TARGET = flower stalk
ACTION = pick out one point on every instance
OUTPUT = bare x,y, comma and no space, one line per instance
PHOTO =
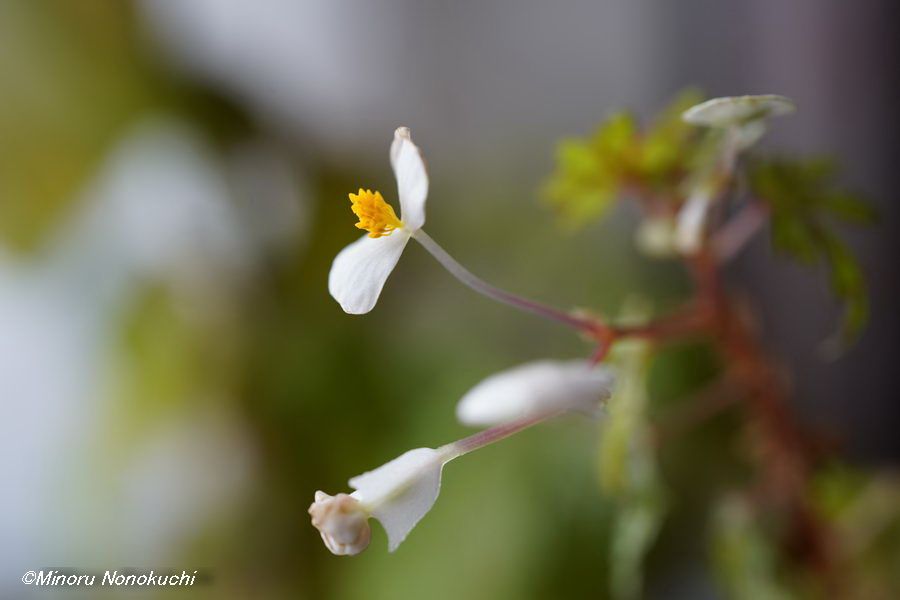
494,434
494,293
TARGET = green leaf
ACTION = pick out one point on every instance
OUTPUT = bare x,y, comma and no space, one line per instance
744,557
805,206
834,488
793,237
668,145
850,209
591,173
848,284
636,526
584,186
616,137
863,510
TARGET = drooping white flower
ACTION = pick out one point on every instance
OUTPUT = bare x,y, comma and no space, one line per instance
398,494
737,110
360,270
743,120
536,388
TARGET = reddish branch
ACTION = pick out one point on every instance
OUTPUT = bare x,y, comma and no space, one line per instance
782,450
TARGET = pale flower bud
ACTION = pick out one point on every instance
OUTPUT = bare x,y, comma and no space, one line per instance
535,389
737,110
655,237
398,494
343,523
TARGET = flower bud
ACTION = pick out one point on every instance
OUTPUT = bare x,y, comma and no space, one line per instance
536,388
655,237
738,110
343,523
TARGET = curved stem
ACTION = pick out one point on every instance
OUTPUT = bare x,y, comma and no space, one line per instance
494,434
494,293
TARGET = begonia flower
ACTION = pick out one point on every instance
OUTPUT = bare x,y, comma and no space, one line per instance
360,270
397,494
736,110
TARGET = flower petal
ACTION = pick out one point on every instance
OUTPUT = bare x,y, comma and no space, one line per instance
359,271
412,179
401,492
534,388
734,110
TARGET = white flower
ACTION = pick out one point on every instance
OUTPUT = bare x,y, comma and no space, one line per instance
534,389
743,119
737,110
360,270
398,494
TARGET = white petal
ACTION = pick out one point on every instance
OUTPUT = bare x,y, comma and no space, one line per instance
723,112
535,388
412,179
359,271
400,492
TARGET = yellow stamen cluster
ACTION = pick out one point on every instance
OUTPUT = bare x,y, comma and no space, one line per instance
375,215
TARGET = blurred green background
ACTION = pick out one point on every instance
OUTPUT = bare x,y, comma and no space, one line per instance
176,380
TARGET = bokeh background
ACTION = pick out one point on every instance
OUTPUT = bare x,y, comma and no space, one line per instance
176,381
